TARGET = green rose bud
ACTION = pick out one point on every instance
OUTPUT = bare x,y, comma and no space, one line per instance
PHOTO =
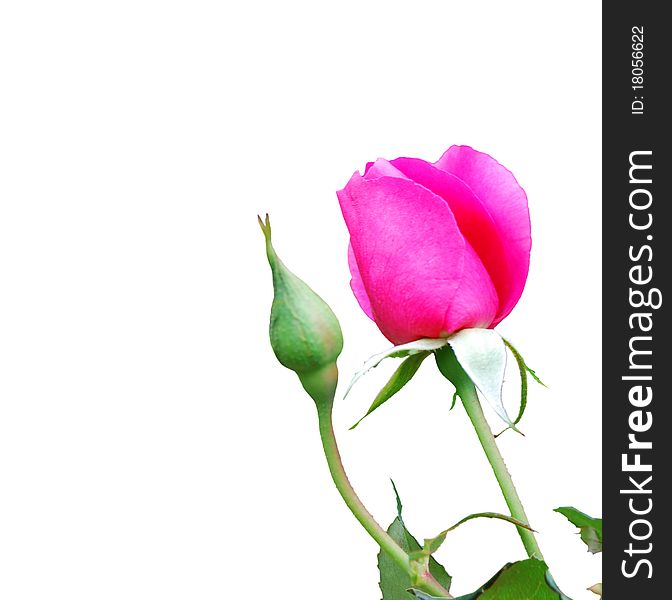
305,334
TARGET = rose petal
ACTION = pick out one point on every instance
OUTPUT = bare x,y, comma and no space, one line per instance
475,301
382,168
472,217
506,202
411,256
357,285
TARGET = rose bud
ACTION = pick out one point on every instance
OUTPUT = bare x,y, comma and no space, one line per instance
305,334
435,248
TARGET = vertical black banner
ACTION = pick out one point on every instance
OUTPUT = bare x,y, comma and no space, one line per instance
637,349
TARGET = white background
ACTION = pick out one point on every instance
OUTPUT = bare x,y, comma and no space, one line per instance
150,445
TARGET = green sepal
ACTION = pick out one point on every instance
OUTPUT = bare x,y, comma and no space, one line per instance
476,356
305,334
523,371
402,351
404,373
454,400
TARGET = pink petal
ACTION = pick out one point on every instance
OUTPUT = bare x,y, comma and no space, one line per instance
411,259
475,302
472,217
382,168
505,201
357,285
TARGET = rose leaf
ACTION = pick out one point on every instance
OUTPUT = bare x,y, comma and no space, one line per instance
590,528
525,580
394,581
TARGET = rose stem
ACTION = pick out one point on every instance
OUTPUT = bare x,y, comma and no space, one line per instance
472,405
427,582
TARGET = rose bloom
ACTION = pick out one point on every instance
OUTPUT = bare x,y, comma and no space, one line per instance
435,248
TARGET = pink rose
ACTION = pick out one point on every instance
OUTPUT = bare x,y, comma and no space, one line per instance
435,248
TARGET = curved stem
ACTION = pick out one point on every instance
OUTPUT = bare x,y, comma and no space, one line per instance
472,405
427,582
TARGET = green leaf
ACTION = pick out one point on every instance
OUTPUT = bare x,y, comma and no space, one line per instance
421,595
399,379
433,544
554,586
394,581
589,527
525,580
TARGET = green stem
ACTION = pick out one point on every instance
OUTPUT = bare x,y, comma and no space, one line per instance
472,405
427,582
